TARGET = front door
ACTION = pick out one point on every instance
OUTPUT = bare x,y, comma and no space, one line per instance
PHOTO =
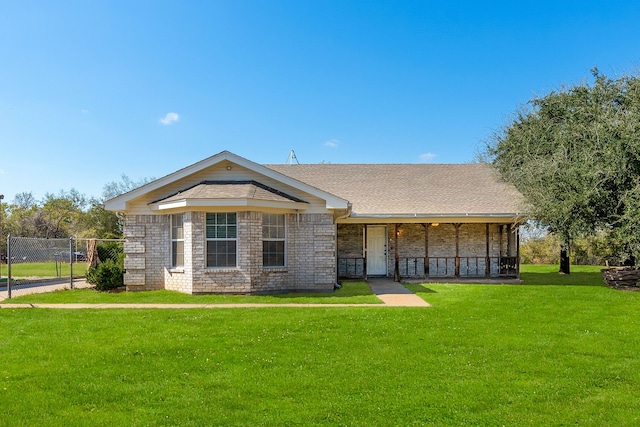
377,250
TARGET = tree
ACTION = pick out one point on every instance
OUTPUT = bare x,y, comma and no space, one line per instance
61,215
20,219
105,223
66,214
126,184
575,156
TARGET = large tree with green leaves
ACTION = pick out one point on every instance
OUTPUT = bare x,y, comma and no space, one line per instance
575,156
65,214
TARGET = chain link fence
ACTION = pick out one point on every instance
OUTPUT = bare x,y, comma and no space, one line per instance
38,262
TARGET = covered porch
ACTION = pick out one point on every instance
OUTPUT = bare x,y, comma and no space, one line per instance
431,251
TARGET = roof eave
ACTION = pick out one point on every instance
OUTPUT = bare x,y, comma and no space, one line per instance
119,203
499,217
239,202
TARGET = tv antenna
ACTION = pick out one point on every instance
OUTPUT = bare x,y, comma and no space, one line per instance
292,157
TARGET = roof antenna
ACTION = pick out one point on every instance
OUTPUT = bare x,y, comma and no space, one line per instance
292,157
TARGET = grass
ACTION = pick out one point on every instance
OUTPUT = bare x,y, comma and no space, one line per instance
545,274
546,353
45,269
350,293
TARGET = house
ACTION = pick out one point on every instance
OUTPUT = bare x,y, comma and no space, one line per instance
229,225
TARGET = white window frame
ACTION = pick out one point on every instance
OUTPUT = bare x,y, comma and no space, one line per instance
175,240
270,238
220,239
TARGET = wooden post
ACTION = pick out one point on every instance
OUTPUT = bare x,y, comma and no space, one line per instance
457,260
364,252
426,249
397,254
487,262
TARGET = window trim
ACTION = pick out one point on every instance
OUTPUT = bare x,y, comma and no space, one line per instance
270,239
216,239
173,239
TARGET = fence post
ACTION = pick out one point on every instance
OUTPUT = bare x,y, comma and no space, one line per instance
9,266
71,254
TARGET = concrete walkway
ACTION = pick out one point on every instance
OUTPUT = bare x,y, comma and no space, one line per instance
392,294
395,295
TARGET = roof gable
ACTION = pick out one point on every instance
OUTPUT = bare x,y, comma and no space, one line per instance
120,203
228,193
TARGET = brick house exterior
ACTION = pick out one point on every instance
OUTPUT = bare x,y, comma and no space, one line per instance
229,225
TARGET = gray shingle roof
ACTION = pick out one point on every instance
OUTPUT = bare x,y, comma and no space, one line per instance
412,189
230,190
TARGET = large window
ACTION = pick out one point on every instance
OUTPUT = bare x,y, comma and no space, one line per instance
222,233
273,240
177,241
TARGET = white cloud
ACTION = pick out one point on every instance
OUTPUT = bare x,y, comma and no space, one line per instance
332,143
426,157
84,111
169,118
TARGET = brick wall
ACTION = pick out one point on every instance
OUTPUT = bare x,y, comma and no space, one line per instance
411,244
310,258
147,251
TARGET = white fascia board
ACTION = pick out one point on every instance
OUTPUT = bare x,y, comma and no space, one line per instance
444,218
200,203
119,203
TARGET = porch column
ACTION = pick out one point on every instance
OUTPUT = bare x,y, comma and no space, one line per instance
487,261
397,254
426,249
364,253
457,260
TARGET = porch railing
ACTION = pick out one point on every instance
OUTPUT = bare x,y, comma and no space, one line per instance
438,267
351,268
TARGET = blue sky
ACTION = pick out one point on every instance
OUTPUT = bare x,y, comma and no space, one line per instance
91,90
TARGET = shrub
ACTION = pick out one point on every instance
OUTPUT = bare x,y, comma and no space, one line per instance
109,274
111,250
106,276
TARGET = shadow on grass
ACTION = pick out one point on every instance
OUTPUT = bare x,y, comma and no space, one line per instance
348,289
581,275
350,293
419,289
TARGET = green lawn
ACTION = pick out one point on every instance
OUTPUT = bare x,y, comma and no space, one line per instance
350,293
534,354
45,269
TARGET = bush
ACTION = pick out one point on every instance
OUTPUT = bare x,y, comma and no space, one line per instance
109,274
106,276
111,250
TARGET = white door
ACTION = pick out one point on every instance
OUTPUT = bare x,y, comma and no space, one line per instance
377,250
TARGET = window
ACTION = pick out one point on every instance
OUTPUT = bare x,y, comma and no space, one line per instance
177,241
222,233
273,240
